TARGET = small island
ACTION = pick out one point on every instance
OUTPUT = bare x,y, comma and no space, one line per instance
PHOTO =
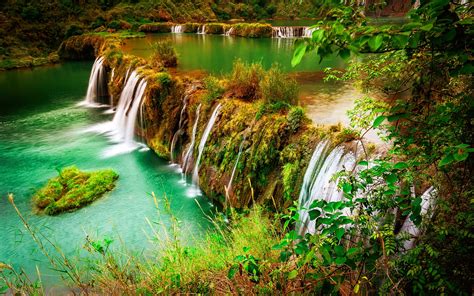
72,190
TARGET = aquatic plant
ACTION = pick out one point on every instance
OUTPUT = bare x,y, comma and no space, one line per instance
72,190
244,81
277,87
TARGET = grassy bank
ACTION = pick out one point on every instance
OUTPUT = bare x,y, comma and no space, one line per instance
72,190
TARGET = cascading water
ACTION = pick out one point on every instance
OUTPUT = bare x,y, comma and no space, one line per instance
408,226
180,130
202,30
230,31
292,32
188,156
97,88
317,182
229,186
203,141
177,29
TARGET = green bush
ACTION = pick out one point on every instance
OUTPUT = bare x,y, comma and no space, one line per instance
244,81
214,89
164,54
73,30
276,86
295,116
73,189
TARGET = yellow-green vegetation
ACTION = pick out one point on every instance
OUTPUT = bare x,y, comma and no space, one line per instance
72,190
252,30
156,28
164,54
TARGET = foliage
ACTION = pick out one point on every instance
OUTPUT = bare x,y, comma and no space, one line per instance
214,89
164,54
244,81
424,75
72,190
295,117
276,86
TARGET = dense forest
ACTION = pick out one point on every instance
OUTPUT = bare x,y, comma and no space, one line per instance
236,147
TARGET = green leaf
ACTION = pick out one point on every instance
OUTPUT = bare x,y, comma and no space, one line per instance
400,165
298,54
340,260
446,160
364,163
378,121
313,214
345,53
232,271
318,35
401,40
391,179
375,42
347,188
352,251
292,274
339,233
427,27
340,251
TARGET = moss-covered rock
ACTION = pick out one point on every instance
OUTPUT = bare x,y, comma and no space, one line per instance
156,28
72,190
252,30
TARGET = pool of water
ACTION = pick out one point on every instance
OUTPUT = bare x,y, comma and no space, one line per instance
325,102
41,130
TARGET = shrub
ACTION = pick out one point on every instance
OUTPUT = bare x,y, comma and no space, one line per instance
253,30
73,189
114,25
215,28
295,116
276,86
156,28
214,89
245,80
73,30
164,54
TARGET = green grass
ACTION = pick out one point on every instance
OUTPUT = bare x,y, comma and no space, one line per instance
72,190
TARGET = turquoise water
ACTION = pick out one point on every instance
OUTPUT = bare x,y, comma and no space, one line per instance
216,53
42,129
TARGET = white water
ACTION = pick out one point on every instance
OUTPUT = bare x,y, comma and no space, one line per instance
179,132
318,183
177,29
229,186
292,32
188,156
203,141
230,31
408,226
97,83
122,127
202,30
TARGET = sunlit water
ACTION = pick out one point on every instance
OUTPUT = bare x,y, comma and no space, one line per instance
41,130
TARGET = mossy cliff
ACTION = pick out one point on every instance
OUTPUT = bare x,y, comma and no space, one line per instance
276,145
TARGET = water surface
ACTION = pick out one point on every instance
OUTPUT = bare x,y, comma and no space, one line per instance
41,130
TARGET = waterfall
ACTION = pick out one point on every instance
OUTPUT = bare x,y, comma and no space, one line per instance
318,183
410,227
229,186
203,141
177,29
97,88
292,32
130,100
188,156
180,131
230,31
202,30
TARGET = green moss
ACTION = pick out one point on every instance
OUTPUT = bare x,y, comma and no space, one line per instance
156,28
290,176
72,190
252,30
159,147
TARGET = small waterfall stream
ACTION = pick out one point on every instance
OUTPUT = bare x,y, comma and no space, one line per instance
229,186
201,30
203,141
230,31
97,88
292,32
188,156
317,182
177,29
181,123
